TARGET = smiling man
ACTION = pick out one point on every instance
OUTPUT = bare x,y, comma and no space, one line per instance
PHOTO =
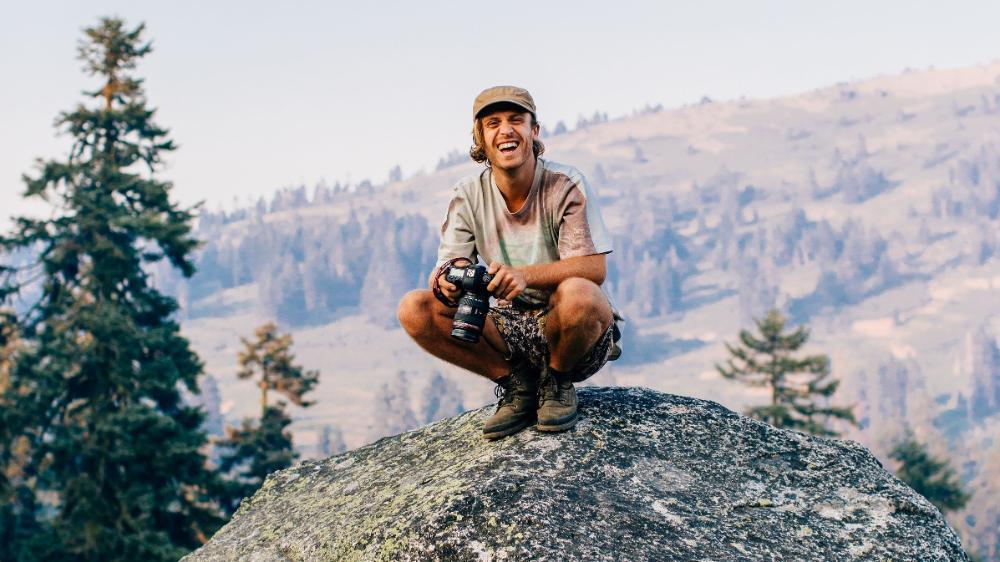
535,224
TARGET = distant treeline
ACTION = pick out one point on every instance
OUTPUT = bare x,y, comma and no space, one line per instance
309,267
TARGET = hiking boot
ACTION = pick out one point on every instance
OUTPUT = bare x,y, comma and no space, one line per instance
518,394
556,404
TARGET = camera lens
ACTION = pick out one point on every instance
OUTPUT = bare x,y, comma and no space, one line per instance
465,335
470,317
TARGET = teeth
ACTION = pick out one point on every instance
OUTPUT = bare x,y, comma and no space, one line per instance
507,145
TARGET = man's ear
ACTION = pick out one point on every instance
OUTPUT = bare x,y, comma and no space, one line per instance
535,130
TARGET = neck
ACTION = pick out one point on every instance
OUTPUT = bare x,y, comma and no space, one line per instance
515,184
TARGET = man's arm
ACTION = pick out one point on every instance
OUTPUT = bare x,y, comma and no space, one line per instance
509,282
550,275
458,238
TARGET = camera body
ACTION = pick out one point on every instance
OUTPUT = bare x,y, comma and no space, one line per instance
474,303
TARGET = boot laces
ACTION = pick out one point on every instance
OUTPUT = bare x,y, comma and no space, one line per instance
552,389
518,383
505,392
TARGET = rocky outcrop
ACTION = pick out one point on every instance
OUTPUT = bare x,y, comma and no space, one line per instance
643,476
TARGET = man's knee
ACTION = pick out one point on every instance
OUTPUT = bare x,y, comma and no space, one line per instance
580,300
414,311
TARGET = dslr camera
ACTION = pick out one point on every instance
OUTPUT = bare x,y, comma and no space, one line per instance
474,303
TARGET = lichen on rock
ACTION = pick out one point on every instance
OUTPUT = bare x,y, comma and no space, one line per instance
643,476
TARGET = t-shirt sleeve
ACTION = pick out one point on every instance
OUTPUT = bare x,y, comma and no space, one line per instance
581,227
458,238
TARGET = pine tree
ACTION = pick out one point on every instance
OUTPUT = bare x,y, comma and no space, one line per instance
928,476
254,450
261,447
799,386
270,359
109,455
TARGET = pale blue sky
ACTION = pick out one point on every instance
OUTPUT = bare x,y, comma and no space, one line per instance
261,95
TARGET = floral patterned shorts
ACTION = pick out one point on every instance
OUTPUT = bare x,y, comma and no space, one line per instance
523,330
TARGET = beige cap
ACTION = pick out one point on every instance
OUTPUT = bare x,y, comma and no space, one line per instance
497,94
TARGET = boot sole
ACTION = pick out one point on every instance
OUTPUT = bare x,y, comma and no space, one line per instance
510,430
557,427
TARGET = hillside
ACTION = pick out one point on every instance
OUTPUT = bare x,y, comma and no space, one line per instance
869,210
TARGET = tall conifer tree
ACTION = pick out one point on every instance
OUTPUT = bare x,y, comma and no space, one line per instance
112,462
799,386
259,448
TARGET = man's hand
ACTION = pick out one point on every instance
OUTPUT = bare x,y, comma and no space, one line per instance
507,282
450,291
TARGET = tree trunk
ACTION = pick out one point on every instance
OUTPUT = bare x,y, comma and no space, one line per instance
263,398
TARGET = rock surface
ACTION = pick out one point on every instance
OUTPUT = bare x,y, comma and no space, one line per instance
643,476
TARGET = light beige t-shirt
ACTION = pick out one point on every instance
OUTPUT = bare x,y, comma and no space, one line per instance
559,219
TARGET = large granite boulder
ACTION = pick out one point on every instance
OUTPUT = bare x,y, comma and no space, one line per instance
643,476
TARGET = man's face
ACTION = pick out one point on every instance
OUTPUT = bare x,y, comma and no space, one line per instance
508,136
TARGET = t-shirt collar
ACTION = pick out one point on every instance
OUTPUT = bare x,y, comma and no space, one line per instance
535,185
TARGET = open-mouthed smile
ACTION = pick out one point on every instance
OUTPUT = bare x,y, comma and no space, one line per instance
508,146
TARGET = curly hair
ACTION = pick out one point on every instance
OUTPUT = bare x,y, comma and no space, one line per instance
478,150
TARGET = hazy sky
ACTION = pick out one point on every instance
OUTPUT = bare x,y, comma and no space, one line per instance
265,95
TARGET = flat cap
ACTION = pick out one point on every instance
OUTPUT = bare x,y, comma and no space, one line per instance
498,94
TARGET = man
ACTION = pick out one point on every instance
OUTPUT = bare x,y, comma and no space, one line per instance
534,223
